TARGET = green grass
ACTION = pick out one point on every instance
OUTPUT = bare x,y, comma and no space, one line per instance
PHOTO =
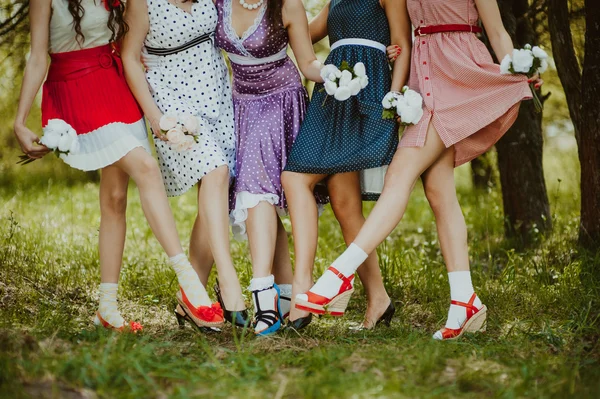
543,325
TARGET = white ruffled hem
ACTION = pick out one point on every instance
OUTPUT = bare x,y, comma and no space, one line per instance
106,145
246,200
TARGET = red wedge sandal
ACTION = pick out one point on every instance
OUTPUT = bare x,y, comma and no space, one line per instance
335,306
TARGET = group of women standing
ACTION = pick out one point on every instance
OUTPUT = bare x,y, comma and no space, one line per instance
262,149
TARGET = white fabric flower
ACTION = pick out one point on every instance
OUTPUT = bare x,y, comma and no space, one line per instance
360,70
191,123
65,142
390,100
413,99
343,93
522,60
539,53
175,135
355,86
364,81
327,71
345,79
167,122
543,67
330,87
505,65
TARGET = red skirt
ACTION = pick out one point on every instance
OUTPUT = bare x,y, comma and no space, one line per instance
87,89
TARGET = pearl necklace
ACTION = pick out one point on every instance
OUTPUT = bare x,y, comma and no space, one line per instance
251,6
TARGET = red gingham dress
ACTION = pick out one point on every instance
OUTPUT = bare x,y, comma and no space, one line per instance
470,104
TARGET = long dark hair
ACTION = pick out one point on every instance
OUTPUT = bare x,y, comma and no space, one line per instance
116,22
274,11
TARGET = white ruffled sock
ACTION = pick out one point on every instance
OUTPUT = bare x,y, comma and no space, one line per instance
267,298
285,304
461,289
329,283
108,304
189,281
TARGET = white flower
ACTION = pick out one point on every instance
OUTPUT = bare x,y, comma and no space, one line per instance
345,79
191,123
330,87
543,67
390,100
50,139
364,81
411,115
65,142
343,93
327,71
185,144
527,46
413,99
539,53
75,147
360,70
355,86
505,65
57,126
167,122
332,77
338,74
401,104
522,60
175,135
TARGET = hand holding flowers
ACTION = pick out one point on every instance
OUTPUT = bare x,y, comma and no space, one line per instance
407,105
344,82
181,132
59,137
530,61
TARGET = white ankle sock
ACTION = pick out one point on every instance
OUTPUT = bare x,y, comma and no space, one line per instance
267,298
461,289
329,283
189,281
108,304
286,304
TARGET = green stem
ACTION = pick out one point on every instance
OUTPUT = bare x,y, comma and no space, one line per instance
536,99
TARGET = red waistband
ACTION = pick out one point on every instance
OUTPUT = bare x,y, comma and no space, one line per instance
76,64
427,30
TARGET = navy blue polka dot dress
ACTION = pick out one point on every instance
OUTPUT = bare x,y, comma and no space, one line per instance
350,136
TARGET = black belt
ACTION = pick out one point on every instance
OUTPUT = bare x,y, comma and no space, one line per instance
183,47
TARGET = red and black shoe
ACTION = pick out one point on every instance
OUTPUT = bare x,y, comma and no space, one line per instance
335,306
475,321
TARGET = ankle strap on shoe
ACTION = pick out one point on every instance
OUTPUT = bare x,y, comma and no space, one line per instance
471,309
347,281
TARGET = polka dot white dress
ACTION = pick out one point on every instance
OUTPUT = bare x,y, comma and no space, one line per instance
193,81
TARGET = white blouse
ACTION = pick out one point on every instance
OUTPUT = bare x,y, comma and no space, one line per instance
93,26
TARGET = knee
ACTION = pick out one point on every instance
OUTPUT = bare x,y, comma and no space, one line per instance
220,175
115,202
348,213
438,198
148,167
287,180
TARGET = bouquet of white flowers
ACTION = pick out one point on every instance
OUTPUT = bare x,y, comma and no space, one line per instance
344,82
408,105
181,131
528,61
60,137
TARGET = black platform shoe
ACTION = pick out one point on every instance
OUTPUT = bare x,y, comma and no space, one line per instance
386,318
182,317
237,318
300,323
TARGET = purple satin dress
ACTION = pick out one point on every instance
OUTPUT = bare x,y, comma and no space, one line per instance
269,106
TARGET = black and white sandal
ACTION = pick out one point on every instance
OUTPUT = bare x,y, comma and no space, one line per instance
272,318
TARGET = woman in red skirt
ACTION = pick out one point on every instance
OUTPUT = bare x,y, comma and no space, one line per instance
85,87
468,106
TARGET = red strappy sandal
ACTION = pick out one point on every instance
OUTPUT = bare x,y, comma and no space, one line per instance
335,306
133,326
202,316
475,321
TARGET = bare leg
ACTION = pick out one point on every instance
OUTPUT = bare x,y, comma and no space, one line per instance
262,237
213,200
200,254
143,169
346,202
302,206
282,264
113,206
440,190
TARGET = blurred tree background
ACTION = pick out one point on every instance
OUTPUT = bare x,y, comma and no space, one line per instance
516,165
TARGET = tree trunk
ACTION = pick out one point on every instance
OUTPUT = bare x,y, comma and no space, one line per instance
589,131
582,91
482,172
524,193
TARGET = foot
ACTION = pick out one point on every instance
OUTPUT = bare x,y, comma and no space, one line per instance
299,287
267,312
189,282
375,309
463,317
231,294
321,299
131,326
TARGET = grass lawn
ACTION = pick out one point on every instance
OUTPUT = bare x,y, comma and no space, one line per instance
542,339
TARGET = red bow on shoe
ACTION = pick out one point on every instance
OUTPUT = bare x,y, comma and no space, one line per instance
210,313
110,4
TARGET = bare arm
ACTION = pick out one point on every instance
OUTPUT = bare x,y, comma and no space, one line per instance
499,37
137,19
318,26
39,16
400,27
296,23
